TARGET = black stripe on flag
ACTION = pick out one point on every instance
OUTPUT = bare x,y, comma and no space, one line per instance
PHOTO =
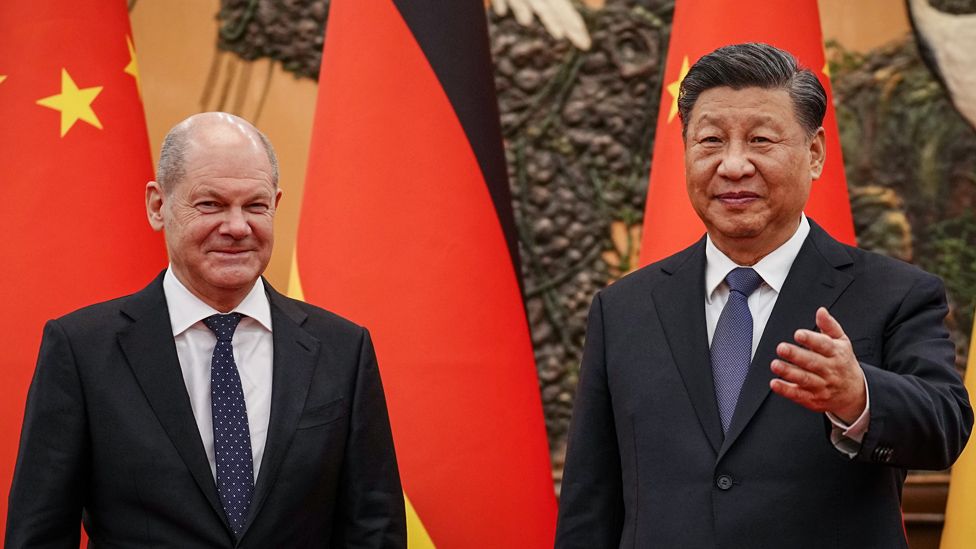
453,35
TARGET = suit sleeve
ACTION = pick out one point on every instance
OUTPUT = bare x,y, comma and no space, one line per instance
591,500
921,417
370,504
49,484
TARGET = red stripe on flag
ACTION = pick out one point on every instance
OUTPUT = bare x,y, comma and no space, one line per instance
398,232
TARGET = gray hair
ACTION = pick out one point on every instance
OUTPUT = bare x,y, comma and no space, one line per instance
172,156
755,65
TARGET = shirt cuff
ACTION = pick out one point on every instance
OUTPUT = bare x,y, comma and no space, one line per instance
847,438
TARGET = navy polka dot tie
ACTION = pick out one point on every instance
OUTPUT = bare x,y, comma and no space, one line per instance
232,438
732,342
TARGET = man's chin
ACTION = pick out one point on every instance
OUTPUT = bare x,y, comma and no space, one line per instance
233,278
737,230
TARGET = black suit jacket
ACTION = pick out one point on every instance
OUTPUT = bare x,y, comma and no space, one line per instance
108,429
648,465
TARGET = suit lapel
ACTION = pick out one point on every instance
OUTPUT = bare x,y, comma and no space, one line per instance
295,356
816,279
148,346
680,304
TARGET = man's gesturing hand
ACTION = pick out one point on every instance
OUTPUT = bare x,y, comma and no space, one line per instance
821,373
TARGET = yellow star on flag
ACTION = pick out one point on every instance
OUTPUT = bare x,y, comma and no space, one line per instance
675,86
73,103
826,67
133,67
2,78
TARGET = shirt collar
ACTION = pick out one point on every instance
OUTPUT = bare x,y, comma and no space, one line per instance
773,268
186,309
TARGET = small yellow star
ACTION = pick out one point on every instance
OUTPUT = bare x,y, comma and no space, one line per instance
73,103
675,87
826,69
2,78
133,67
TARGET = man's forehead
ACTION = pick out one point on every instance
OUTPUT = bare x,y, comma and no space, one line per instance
757,105
723,115
220,186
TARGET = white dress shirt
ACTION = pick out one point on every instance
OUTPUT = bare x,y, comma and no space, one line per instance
773,269
253,353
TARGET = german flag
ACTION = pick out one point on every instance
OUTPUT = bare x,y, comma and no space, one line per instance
407,227
74,161
699,27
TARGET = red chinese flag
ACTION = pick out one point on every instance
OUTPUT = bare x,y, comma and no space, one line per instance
699,27
74,160
406,227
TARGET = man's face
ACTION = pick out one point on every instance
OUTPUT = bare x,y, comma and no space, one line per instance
218,219
749,165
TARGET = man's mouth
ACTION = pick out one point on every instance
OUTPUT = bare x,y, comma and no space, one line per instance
230,252
737,198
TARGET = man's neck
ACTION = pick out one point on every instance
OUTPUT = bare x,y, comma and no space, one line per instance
746,252
220,299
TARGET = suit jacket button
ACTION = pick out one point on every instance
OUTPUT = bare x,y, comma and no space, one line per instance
724,482
883,454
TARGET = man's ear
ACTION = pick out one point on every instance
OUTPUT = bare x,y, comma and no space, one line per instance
818,153
154,205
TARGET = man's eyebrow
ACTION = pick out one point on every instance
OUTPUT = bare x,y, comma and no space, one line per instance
261,194
204,191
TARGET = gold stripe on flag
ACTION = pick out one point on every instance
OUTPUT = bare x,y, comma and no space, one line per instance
960,528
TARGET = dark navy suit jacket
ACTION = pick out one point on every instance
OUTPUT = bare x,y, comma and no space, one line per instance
648,465
109,430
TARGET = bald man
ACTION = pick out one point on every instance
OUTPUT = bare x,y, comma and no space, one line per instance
207,410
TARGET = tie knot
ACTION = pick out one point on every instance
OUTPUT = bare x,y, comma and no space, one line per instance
223,326
743,280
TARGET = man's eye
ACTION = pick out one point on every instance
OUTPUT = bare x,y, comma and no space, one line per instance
761,139
710,140
208,205
257,207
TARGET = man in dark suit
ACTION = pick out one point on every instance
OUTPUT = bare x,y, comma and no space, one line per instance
207,410
768,386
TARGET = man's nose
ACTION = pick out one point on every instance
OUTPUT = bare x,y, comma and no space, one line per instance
235,224
735,163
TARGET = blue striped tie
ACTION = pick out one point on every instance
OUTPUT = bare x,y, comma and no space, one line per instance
232,438
732,342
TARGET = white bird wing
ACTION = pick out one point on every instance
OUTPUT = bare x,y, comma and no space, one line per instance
952,39
559,17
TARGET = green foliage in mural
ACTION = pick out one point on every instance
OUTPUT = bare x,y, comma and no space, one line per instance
904,142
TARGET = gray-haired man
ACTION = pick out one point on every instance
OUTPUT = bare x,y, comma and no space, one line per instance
768,386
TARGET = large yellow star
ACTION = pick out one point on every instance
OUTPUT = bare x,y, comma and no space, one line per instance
133,67
675,86
73,103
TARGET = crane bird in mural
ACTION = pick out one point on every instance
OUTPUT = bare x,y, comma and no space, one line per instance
947,42
559,17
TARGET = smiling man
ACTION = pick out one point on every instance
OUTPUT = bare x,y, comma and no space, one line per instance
207,410
768,386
